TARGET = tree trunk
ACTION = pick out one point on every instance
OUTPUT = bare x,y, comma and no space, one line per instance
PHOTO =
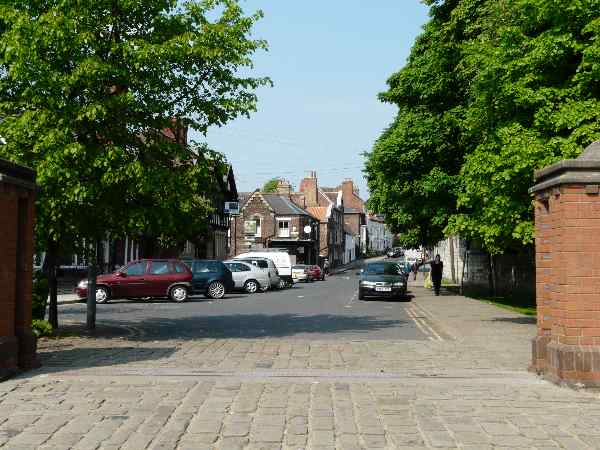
493,280
51,262
91,296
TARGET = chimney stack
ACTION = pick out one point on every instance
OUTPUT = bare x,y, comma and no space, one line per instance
308,186
284,188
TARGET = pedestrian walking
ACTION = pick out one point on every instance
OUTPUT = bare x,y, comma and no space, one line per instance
326,266
415,270
437,270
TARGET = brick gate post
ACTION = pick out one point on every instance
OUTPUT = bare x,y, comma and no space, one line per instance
567,226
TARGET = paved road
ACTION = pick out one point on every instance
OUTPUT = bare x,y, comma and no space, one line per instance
270,372
320,311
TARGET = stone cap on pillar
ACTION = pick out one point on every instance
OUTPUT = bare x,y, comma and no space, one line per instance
12,173
584,170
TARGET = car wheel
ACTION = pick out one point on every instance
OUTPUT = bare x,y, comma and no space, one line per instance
102,295
361,295
251,287
178,294
216,290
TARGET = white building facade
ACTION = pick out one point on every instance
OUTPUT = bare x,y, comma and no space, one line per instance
350,248
380,238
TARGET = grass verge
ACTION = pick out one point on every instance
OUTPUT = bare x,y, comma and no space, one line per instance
519,305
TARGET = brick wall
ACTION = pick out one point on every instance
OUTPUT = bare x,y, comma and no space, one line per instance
17,195
568,259
254,208
353,222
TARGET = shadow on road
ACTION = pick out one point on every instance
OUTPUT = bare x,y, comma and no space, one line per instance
59,358
526,320
406,299
245,326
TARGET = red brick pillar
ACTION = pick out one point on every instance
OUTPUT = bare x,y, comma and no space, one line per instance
567,225
17,197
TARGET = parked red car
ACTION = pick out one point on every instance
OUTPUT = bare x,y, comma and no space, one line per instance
144,278
316,273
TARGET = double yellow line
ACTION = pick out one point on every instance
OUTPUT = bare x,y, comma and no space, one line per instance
423,325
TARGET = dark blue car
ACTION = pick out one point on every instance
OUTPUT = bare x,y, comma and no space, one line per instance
211,278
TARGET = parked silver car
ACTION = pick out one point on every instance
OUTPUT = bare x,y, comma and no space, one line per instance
267,265
248,277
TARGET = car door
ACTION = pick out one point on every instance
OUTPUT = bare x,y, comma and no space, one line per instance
158,279
202,274
133,281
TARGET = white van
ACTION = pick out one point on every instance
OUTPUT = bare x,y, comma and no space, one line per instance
282,260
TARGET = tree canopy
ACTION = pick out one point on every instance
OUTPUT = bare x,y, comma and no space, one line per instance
89,92
492,91
271,185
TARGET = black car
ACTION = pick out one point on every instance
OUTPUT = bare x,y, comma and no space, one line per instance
382,279
211,278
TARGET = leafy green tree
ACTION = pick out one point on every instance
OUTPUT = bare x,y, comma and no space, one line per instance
492,91
534,99
271,185
87,88
412,170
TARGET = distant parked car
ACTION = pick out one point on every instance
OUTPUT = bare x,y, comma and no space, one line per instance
268,265
382,279
210,278
317,273
282,260
248,277
141,279
302,272
395,252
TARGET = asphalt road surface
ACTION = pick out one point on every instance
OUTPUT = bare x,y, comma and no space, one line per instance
322,310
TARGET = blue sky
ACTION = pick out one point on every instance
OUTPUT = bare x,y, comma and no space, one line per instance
328,61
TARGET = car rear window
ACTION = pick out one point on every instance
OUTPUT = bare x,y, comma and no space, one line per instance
179,268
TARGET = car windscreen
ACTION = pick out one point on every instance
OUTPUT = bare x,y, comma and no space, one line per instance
383,269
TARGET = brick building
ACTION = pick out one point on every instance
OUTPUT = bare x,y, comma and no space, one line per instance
17,197
272,220
329,209
355,218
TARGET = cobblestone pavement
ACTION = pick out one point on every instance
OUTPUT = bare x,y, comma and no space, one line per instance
464,388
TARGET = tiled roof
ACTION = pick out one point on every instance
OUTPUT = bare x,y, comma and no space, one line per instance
332,196
320,212
282,205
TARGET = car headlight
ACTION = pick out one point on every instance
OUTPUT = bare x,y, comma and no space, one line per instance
367,284
83,284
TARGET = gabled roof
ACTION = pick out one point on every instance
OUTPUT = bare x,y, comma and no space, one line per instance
282,205
243,198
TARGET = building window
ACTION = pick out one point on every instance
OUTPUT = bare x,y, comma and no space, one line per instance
283,228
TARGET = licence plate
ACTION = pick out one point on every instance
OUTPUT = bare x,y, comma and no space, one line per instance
383,289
